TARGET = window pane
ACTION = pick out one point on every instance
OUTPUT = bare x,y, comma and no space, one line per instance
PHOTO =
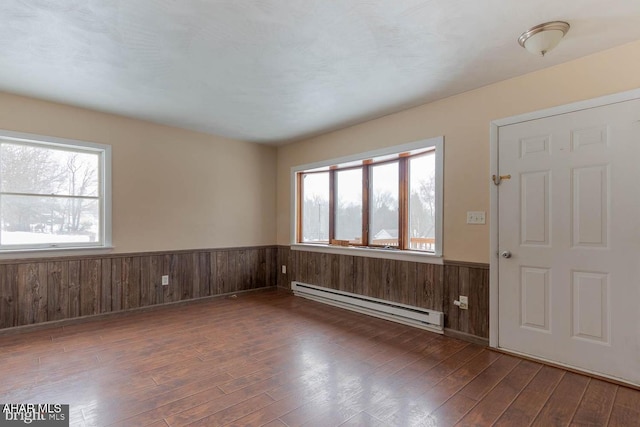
28,220
315,207
422,202
45,170
383,229
349,205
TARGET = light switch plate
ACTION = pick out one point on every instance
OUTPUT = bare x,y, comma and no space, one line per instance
476,217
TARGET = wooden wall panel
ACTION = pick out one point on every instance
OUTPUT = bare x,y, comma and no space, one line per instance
105,286
90,280
36,291
32,293
74,288
156,271
471,280
40,290
271,266
57,291
170,293
423,285
116,284
147,290
131,282
204,273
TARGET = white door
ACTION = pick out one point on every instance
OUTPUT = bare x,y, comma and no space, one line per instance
570,219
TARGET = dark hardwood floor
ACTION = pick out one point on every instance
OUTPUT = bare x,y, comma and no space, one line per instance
272,359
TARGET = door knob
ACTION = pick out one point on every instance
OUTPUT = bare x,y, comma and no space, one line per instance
505,254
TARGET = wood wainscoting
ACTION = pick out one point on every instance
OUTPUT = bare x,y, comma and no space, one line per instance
423,285
34,291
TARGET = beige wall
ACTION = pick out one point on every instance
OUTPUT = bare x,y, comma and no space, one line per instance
464,121
172,188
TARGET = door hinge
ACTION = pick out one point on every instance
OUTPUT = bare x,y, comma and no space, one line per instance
497,179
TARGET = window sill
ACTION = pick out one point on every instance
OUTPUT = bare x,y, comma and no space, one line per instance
400,255
53,252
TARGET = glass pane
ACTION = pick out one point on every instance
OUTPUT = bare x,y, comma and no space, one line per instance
383,229
422,202
33,220
45,170
349,205
315,207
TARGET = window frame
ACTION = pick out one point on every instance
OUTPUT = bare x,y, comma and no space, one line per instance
401,154
104,189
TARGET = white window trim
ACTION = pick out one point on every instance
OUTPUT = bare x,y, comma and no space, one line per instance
106,230
408,255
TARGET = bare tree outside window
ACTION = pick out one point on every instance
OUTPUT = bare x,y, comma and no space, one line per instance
48,195
315,208
422,202
385,204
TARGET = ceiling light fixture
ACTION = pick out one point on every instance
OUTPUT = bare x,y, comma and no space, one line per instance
542,38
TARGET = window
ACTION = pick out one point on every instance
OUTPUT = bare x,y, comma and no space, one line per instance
54,193
349,205
315,210
385,199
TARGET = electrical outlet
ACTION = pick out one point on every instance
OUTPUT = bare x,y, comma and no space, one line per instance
284,269
476,217
165,280
464,302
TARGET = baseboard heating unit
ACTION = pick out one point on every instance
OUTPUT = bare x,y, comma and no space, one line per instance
401,313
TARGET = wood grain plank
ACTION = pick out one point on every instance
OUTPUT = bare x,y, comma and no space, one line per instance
90,281
426,286
233,276
157,270
74,288
222,284
131,282
451,292
261,269
596,404
8,296
626,408
325,270
489,409
238,362
171,292
116,284
529,402
563,402
478,302
105,286
346,275
412,291
58,289
454,409
390,287
147,291
32,293
183,272
399,291
204,274
463,289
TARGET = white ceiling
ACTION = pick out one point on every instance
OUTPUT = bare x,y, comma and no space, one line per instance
275,71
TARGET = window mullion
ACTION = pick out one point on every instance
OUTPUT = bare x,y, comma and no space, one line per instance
299,210
332,205
403,203
365,203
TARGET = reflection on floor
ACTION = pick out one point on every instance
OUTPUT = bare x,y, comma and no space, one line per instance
273,359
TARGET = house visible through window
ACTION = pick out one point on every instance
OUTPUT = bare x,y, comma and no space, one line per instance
390,200
53,193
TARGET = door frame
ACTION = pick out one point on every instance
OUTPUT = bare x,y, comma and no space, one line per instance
494,310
